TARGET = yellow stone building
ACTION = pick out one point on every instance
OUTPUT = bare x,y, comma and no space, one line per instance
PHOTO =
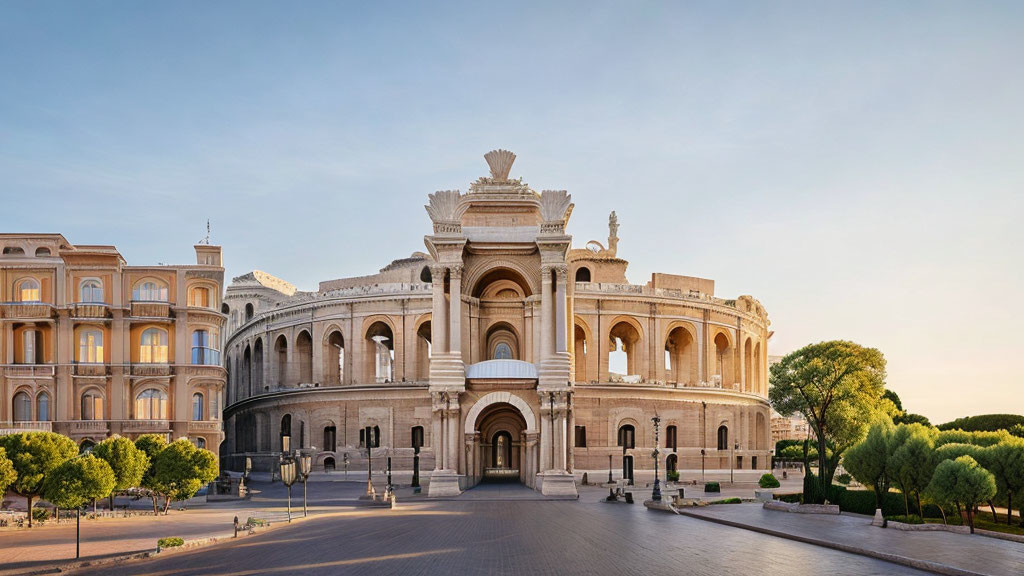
93,347
500,352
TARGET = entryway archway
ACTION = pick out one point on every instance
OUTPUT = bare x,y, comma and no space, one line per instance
501,440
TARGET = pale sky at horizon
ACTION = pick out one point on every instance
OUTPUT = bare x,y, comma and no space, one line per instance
857,169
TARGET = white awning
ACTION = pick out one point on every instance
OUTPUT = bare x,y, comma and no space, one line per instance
494,369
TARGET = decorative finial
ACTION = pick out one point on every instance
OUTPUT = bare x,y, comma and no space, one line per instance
500,162
207,239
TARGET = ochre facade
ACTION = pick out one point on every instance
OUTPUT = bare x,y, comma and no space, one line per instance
501,351
93,347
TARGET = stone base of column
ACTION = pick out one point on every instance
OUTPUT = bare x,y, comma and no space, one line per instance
557,483
443,483
554,371
447,371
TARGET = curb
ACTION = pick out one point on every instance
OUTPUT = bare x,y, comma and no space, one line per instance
894,558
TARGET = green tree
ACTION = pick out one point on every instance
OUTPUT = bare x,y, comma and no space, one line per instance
982,438
151,445
984,423
34,455
1006,463
962,481
797,453
911,418
128,462
77,481
1017,430
838,388
181,469
7,473
913,461
870,461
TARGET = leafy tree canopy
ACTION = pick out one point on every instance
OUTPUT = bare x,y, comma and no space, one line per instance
962,481
911,418
870,461
973,438
77,481
7,473
128,462
181,469
984,423
34,455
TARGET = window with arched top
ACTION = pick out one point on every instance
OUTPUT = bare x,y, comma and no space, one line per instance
583,275
153,346
42,251
13,251
90,291
205,348
150,291
151,404
28,290
22,407
92,405
201,443
197,407
671,438
199,296
43,406
723,437
90,347
627,436
249,311
502,351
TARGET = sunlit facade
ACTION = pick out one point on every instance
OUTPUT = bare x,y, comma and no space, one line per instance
93,347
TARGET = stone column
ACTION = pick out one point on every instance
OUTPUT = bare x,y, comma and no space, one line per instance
545,433
439,316
452,460
546,317
570,441
455,303
561,274
437,432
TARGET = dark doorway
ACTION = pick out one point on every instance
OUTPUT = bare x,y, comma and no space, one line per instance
627,469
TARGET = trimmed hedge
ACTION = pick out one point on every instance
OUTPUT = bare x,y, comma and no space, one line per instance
712,487
170,542
984,423
768,481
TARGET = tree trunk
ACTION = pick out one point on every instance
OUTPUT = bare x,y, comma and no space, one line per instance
906,503
111,502
960,513
993,508
167,503
920,510
970,518
943,512
1009,508
822,459
29,498
153,498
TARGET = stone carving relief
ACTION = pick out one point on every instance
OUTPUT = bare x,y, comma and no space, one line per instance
444,211
500,162
555,208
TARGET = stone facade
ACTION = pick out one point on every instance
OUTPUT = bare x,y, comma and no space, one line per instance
508,350
93,347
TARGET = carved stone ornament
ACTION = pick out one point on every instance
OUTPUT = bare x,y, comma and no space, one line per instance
500,162
443,211
555,207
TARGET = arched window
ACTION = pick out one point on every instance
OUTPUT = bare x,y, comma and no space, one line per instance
91,291
201,443
286,432
671,438
150,291
197,407
32,347
502,351
151,404
199,296
723,437
22,407
153,346
204,348
671,463
92,405
90,346
43,407
28,291
248,312
583,275
13,251
417,438
42,251
627,436
330,438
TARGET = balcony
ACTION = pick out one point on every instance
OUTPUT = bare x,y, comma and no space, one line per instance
32,426
147,309
205,426
90,310
151,370
89,427
215,372
26,310
145,426
29,370
91,369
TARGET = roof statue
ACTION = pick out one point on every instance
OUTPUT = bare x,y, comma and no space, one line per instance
500,162
613,234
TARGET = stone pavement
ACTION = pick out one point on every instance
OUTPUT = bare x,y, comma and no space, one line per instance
950,553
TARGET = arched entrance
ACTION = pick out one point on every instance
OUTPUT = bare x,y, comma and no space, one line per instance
501,440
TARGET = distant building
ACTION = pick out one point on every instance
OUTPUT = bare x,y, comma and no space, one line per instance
793,427
93,347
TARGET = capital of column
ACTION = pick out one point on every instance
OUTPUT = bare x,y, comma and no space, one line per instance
437,270
455,270
562,272
545,271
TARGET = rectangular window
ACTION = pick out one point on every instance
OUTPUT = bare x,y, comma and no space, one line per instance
581,436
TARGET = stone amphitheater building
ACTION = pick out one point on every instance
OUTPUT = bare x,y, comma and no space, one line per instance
502,352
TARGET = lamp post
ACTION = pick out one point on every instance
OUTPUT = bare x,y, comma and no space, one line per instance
306,462
288,478
703,437
369,461
656,492
732,461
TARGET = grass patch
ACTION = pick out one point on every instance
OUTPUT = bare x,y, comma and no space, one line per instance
912,519
982,521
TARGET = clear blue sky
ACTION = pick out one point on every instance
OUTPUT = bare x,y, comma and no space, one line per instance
859,169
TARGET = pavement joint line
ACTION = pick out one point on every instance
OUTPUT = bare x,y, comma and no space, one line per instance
894,558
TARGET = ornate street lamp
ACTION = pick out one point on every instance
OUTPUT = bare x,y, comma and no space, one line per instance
288,478
656,492
306,462
703,437
732,460
369,462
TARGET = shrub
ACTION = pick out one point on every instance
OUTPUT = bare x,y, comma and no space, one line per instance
40,514
931,511
673,476
768,481
712,487
984,422
727,501
912,519
863,501
170,542
254,521
791,498
844,479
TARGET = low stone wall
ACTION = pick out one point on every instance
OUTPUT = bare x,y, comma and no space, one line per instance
954,529
802,508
